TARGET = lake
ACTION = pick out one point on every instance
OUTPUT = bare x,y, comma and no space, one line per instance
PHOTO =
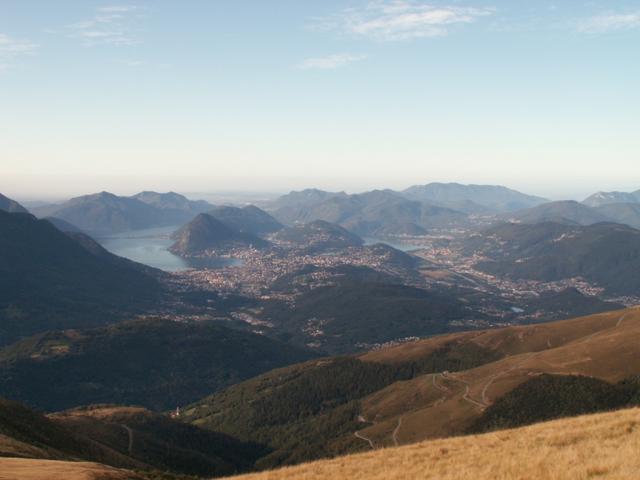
404,247
151,248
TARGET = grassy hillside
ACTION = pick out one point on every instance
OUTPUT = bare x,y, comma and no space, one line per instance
124,437
311,410
132,437
436,387
35,469
594,446
156,363
602,346
546,397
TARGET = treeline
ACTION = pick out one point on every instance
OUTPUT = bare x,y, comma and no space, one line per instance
554,396
311,411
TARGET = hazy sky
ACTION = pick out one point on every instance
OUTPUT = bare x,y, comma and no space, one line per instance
543,96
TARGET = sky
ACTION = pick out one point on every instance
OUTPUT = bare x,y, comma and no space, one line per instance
269,96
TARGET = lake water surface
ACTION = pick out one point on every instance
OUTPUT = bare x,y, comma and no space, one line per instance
404,247
151,248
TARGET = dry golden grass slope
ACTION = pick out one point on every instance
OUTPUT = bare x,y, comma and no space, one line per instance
601,446
604,346
30,469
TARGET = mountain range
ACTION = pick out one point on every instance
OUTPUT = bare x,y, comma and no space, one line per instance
413,211
378,212
422,208
472,198
105,213
604,198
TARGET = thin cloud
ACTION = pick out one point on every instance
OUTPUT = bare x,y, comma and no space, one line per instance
330,62
11,48
111,25
118,8
402,20
610,22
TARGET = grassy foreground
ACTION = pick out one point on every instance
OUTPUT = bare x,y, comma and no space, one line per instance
599,446
33,469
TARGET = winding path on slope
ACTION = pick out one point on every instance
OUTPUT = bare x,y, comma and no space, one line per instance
482,405
394,436
466,396
130,433
368,440
586,339
499,374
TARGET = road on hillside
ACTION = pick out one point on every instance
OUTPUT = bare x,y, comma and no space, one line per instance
394,435
130,433
368,440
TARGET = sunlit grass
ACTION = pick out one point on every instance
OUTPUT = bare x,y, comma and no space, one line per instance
592,446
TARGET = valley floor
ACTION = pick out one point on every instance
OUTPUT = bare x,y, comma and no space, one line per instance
603,446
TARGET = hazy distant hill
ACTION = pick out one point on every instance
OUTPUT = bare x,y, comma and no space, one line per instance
626,213
379,212
249,219
472,198
49,280
207,234
11,206
607,254
568,212
160,364
173,201
605,198
317,236
105,213
305,198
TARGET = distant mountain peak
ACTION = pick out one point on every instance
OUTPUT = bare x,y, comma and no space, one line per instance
599,199
472,198
249,219
206,234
